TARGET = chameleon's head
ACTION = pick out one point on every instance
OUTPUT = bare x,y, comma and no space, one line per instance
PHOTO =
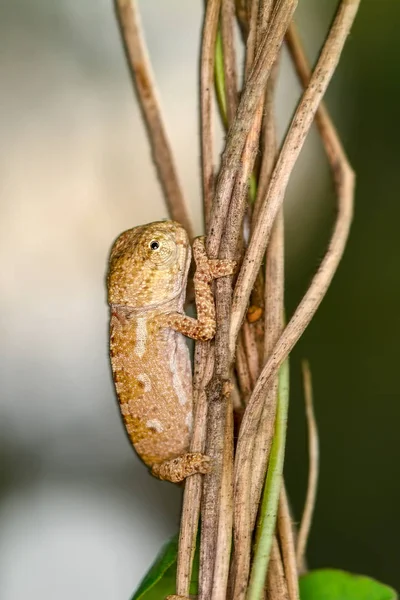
148,265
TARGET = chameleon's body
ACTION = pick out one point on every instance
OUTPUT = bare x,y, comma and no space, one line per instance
150,360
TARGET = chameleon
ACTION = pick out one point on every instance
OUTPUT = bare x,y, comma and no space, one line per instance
147,278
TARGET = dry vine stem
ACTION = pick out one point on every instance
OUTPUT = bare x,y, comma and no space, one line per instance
285,528
210,27
276,580
140,68
228,44
313,453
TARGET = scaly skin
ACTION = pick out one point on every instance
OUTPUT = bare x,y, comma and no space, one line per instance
150,360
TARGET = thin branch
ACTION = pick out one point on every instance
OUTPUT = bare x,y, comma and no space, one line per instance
285,528
265,12
204,362
216,509
210,27
276,581
274,287
290,151
274,311
269,144
229,56
139,63
224,534
251,43
313,452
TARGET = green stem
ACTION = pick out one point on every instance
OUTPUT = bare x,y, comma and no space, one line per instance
269,504
219,76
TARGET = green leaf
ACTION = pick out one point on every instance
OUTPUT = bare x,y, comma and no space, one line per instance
332,584
160,579
160,570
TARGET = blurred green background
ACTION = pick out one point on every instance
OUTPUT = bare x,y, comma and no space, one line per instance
79,515
352,343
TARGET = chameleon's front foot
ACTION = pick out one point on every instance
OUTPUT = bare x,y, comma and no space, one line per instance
208,269
177,469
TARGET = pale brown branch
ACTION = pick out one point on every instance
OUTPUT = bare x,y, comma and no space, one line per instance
234,222
269,144
224,533
276,582
216,508
274,287
204,362
251,43
228,44
313,452
285,528
140,67
207,61
274,310
265,12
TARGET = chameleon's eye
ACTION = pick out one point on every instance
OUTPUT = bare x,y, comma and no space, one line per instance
154,245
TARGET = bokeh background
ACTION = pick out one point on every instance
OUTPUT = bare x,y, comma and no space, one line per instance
79,515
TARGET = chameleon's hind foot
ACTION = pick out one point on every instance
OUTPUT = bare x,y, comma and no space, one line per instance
177,469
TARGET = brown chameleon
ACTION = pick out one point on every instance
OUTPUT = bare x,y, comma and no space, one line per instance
150,360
